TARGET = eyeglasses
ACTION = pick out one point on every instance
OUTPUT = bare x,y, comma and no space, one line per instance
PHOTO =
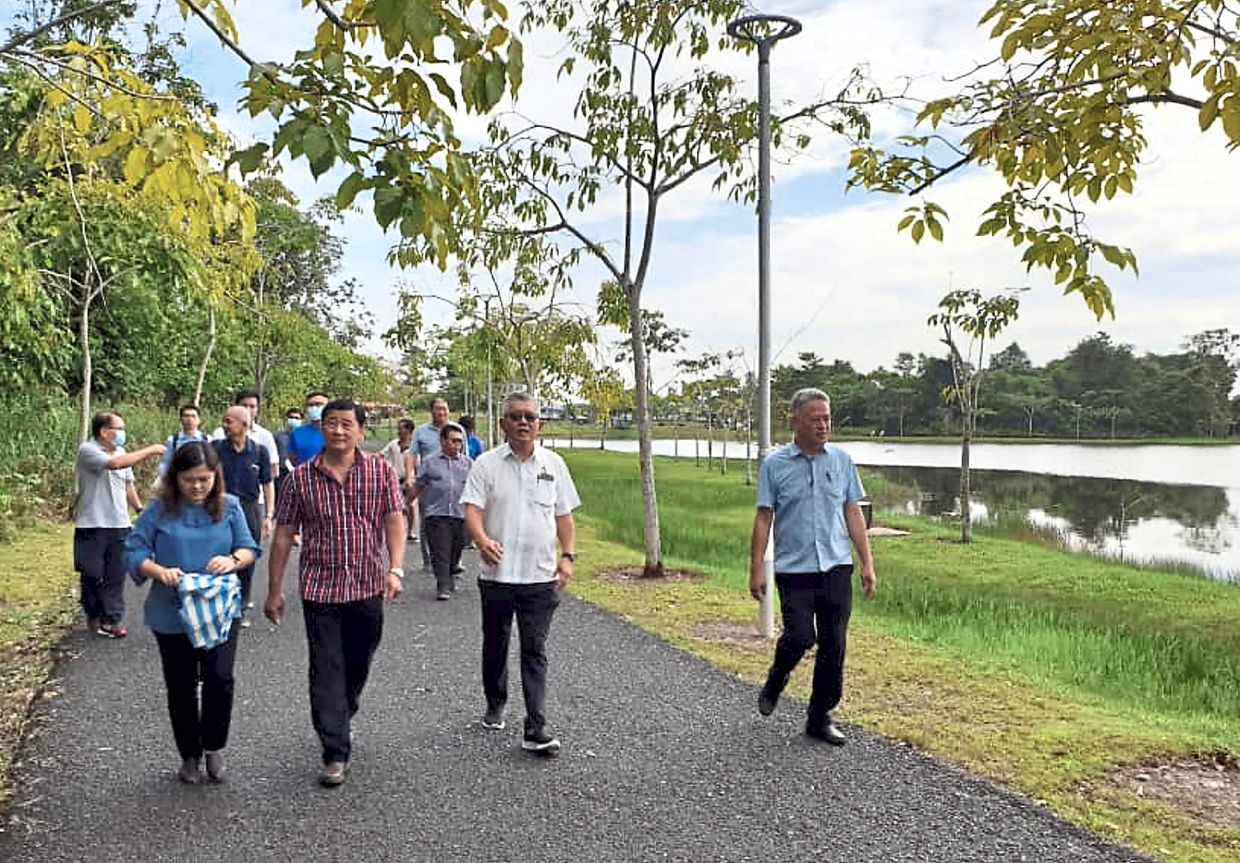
517,416
456,440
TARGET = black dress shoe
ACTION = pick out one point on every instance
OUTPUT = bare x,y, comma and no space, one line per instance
827,732
767,701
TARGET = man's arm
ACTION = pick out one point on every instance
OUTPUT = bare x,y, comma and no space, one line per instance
854,518
762,520
280,547
566,533
394,529
131,492
120,461
492,551
269,510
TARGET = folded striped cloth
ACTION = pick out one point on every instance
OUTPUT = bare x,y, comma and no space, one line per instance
209,605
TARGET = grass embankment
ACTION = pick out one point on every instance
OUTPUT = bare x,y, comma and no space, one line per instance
1042,670
37,601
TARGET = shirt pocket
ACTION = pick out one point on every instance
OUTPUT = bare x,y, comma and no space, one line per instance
542,495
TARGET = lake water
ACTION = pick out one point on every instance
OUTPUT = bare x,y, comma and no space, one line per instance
1146,504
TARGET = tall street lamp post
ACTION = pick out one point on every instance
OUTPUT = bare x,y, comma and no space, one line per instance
764,31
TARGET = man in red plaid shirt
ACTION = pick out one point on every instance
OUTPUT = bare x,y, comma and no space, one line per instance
346,504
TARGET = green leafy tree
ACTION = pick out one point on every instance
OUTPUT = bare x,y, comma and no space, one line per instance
962,314
651,115
1058,114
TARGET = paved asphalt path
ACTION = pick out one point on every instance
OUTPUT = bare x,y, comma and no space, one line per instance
665,759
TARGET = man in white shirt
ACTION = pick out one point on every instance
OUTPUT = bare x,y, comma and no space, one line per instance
519,501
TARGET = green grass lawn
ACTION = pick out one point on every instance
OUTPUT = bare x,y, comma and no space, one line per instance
1044,670
38,599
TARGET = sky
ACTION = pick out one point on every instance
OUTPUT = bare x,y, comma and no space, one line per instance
845,284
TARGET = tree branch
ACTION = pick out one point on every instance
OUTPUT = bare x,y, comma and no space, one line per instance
1168,97
23,38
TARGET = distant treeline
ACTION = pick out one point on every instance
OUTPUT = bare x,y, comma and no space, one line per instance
1100,389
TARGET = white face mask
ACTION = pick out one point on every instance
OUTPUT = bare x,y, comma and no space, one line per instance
293,422
120,438
314,413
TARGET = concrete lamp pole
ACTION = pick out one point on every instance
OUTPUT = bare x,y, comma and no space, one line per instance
764,31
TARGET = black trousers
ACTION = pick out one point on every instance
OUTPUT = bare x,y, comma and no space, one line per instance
254,521
445,535
99,558
198,726
533,605
815,607
342,638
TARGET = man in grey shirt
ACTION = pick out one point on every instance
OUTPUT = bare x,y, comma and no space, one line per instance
101,520
440,482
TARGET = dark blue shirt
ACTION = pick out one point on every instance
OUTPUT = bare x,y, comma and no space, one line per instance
245,472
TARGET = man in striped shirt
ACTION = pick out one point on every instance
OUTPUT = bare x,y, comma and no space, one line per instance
346,504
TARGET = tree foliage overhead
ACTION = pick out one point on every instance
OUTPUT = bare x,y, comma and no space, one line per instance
651,114
1059,115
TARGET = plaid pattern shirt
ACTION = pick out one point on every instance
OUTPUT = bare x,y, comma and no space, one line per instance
342,526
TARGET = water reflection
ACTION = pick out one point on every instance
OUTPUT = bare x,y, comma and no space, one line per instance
1194,525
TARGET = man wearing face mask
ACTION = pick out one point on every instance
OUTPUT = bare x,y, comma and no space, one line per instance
101,520
306,440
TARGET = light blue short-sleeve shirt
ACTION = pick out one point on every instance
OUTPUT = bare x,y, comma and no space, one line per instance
807,496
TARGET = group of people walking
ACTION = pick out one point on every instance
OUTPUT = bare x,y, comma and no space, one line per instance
197,540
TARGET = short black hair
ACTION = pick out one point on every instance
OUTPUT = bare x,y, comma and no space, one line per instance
291,411
346,405
406,424
100,421
247,394
314,393
448,428
467,423
185,408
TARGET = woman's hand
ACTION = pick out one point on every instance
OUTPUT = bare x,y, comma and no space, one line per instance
171,576
222,563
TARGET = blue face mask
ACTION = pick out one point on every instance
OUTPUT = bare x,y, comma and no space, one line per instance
314,413
293,422
120,438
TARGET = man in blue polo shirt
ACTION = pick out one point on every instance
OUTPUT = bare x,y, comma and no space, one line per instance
247,474
811,492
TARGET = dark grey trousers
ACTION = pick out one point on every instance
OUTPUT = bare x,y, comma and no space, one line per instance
533,605
445,535
99,558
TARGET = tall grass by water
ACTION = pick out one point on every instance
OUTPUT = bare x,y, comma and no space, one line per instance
1154,642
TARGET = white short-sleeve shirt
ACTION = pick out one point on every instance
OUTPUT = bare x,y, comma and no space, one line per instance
520,501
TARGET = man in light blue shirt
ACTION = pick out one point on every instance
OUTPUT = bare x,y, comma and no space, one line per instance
426,443
811,493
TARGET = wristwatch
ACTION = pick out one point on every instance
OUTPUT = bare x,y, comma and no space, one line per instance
570,556
236,557
396,571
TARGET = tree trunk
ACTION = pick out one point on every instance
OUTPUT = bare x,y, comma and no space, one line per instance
206,357
653,567
88,367
748,441
723,459
710,439
966,520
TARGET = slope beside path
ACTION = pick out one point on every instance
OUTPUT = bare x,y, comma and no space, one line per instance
665,759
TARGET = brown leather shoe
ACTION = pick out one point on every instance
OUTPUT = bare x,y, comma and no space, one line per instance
333,774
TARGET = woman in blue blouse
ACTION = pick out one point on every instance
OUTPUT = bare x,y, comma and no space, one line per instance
193,526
